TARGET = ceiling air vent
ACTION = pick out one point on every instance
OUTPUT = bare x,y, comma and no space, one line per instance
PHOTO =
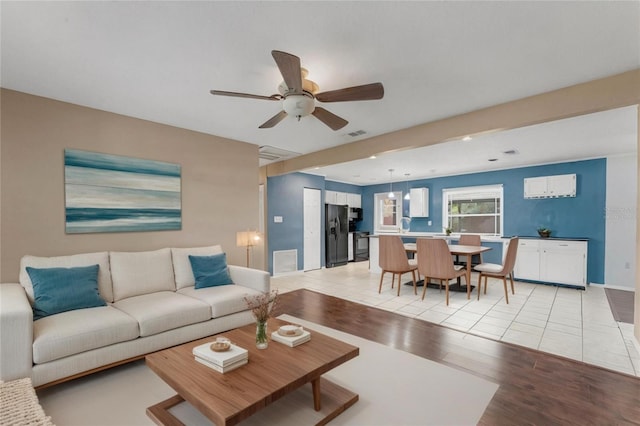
270,153
357,133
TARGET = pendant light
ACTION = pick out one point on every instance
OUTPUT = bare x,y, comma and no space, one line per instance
391,194
408,196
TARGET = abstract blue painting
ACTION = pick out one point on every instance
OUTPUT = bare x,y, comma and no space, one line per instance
111,193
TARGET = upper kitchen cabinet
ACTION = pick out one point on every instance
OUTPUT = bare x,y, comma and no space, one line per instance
550,186
354,200
342,198
419,203
330,197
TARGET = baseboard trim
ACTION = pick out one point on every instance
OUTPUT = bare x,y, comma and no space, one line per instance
618,287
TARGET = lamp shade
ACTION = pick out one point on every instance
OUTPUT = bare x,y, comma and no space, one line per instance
247,238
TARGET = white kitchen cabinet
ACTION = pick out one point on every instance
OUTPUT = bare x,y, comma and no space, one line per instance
354,200
341,198
419,203
528,260
550,186
330,197
553,261
535,187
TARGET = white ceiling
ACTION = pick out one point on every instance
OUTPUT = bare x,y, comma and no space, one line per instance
158,61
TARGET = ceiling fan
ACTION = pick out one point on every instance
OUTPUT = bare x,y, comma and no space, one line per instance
298,95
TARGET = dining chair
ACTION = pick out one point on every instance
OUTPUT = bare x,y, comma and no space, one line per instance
503,271
471,240
393,258
435,262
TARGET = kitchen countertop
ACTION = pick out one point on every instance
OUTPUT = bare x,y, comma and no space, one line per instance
495,238
536,237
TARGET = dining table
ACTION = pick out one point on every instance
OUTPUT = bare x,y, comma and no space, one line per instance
459,250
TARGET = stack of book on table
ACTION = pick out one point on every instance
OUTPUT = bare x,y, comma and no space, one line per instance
291,335
223,361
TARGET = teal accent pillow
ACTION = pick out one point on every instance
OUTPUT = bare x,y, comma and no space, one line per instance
210,271
58,290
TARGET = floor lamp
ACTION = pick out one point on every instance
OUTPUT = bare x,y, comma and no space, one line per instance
247,239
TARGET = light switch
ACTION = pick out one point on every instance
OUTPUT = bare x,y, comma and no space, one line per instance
277,219
429,223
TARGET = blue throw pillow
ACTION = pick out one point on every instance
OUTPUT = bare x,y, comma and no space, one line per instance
210,271
58,290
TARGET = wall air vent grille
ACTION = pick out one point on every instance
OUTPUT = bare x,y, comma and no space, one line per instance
285,261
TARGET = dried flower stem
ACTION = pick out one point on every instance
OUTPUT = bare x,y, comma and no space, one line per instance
262,305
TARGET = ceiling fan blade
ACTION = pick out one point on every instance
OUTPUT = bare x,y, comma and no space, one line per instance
273,120
329,118
245,95
289,66
367,92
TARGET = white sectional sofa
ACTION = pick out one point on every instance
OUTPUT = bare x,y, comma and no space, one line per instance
151,304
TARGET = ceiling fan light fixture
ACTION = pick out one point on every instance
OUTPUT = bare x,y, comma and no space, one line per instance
307,85
298,94
298,105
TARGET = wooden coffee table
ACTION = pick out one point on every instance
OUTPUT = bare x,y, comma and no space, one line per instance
271,373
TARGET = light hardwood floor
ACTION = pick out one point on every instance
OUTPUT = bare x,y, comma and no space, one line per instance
535,387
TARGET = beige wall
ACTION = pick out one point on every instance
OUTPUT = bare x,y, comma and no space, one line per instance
219,180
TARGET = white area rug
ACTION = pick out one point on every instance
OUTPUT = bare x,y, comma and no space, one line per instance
395,388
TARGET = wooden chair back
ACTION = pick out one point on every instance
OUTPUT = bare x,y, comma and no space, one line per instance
392,256
470,240
434,258
510,257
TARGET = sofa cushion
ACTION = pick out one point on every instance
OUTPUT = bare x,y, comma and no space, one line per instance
59,290
210,271
182,266
224,300
85,259
72,332
164,310
142,272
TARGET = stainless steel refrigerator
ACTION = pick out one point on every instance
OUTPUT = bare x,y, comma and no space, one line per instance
337,234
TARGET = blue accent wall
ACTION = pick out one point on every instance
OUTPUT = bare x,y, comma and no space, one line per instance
582,216
285,198
576,217
342,187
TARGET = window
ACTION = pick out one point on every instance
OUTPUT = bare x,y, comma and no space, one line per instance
388,212
473,210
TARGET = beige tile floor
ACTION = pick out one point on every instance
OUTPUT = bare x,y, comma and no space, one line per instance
571,323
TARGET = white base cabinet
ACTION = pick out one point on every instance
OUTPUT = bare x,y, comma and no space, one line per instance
553,261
